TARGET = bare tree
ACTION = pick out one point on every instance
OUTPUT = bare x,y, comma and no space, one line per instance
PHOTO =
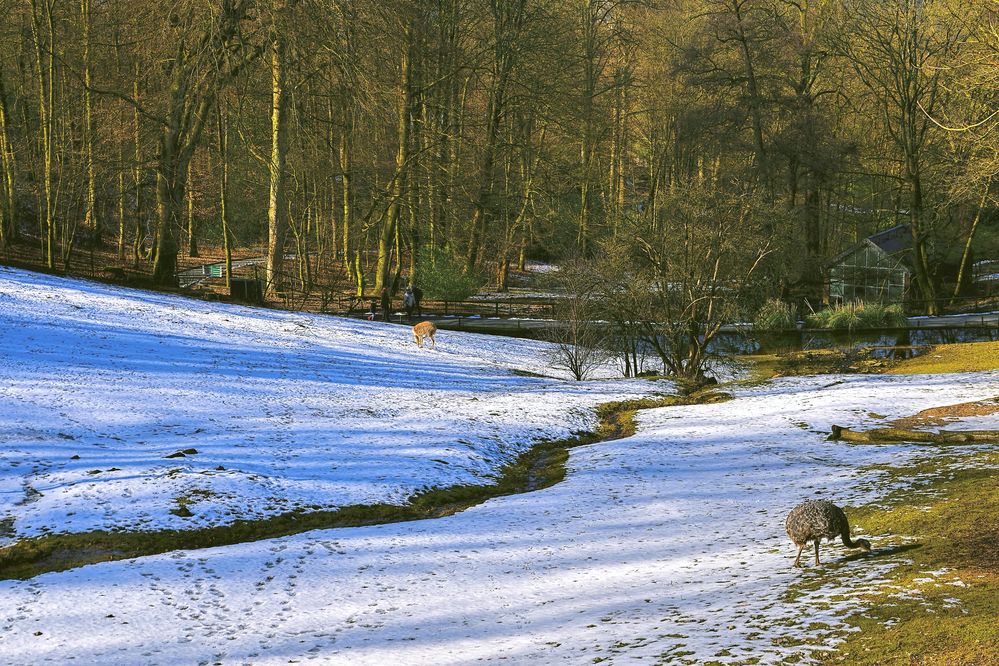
579,337
696,271
208,53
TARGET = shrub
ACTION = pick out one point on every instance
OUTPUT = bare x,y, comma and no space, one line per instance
579,338
776,315
894,317
848,316
845,317
818,319
443,278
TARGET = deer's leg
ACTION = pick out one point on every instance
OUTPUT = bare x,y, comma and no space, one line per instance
433,343
817,552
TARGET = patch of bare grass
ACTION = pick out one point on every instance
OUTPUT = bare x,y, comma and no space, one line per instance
941,416
964,357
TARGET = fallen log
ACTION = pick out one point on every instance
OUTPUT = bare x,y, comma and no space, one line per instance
893,435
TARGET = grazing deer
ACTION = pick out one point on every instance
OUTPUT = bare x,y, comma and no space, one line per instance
424,330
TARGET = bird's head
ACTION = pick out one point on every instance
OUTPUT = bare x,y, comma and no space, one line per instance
863,543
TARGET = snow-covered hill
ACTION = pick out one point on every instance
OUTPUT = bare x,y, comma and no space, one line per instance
99,386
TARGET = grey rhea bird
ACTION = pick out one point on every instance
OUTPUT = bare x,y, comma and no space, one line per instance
814,520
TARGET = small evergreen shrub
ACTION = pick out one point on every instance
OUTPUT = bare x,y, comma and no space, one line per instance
442,277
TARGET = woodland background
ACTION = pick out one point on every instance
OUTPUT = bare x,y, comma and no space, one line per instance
715,142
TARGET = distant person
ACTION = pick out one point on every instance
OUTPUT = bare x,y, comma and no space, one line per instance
409,302
372,309
418,297
386,304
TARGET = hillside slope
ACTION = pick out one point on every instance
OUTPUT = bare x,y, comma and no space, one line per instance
100,386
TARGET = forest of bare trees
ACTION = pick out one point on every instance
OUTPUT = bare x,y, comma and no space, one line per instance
380,138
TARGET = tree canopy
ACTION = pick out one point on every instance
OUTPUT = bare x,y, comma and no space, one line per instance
361,135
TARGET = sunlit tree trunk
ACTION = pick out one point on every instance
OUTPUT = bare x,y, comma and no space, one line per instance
277,222
41,18
8,221
90,215
223,141
122,191
138,251
388,235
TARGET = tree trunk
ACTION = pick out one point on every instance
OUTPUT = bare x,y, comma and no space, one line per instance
178,140
8,219
46,98
277,207
222,115
390,224
967,245
920,260
90,216
121,198
138,251
192,238
194,84
347,197
169,194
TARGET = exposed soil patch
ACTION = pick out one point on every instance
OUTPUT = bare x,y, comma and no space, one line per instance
942,416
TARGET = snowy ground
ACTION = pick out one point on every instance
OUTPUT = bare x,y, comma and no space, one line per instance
664,546
98,386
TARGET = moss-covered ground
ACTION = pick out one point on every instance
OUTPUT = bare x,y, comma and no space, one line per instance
967,357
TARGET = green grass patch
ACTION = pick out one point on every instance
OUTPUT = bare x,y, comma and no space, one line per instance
542,466
965,357
940,359
950,508
762,367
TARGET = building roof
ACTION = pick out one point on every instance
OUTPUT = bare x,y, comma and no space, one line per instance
894,241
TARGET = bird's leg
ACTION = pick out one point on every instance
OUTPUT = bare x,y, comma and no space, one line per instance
797,560
817,552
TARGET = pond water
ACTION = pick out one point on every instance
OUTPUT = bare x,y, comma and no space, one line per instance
886,343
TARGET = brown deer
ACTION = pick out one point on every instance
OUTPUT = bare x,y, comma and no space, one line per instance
424,330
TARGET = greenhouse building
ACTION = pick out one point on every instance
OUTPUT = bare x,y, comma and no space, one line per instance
875,270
